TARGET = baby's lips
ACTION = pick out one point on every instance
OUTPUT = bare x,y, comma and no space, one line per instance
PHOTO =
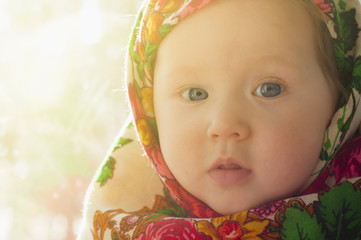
228,171
229,166
230,176
227,163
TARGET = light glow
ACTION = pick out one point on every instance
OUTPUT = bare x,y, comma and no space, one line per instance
90,23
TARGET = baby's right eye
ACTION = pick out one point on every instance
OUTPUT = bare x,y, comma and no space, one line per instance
195,94
268,90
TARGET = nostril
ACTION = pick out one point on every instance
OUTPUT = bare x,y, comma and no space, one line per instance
236,132
214,136
236,135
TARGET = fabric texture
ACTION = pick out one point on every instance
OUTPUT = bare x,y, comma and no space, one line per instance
330,208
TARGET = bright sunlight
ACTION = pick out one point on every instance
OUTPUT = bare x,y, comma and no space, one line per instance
61,106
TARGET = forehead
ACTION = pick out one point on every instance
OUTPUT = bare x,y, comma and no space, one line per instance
239,33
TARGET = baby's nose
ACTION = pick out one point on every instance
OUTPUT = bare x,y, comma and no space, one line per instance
228,124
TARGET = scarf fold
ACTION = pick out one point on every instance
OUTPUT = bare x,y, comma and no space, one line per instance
329,208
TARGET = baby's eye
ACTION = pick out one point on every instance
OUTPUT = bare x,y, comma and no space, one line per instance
195,94
268,90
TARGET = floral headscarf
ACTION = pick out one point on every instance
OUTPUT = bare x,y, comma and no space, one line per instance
330,208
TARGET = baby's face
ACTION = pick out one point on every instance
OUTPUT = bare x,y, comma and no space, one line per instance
241,102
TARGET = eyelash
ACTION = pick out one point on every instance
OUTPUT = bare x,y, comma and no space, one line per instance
190,93
195,94
264,92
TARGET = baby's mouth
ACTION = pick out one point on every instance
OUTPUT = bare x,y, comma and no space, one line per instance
227,172
229,166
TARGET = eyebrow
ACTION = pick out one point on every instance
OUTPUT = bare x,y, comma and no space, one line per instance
182,72
271,61
278,60
288,66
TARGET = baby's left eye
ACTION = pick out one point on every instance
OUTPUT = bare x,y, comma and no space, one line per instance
268,90
195,94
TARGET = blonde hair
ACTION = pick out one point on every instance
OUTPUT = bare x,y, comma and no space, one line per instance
324,43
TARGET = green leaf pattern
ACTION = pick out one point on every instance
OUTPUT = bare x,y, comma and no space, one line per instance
337,216
345,30
299,224
339,211
106,171
108,167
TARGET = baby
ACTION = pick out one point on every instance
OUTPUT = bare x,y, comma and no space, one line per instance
240,106
242,102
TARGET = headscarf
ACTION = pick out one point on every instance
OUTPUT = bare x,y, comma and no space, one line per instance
333,193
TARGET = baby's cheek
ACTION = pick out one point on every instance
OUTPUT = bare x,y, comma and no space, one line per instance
281,159
281,183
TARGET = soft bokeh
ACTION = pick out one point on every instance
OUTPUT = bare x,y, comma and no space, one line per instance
61,105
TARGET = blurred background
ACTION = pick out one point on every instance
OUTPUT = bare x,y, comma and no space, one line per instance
61,106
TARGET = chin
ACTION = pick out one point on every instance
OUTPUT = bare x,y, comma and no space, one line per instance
226,210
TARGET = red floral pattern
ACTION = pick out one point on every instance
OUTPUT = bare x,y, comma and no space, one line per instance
192,205
230,230
324,5
158,161
347,163
191,7
269,209
173,229
319,184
